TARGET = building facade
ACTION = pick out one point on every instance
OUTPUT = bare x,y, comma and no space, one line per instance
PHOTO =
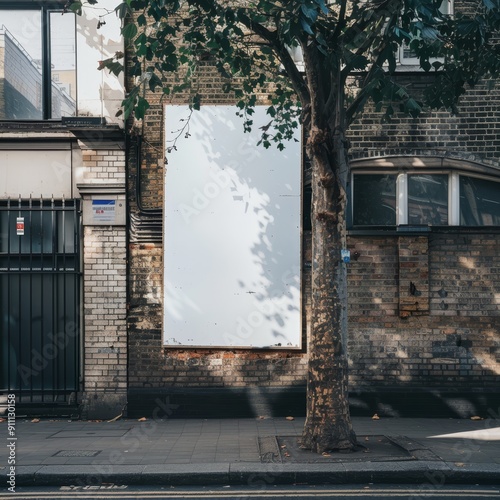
423,274
62,211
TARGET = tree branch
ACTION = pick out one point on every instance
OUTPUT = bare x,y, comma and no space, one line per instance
383,9
272,38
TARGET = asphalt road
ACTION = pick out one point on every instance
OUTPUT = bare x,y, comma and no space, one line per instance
362,492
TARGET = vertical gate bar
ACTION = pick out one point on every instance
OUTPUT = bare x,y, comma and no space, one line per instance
76,372
76,281
21,306
19,206
9,274
42,276
64,289
55,289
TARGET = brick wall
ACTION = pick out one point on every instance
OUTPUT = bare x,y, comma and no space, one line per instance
470,135
104,287
105,341
422,309
150,364
104,165
456,343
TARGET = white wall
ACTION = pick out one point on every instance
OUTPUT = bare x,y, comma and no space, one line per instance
36,173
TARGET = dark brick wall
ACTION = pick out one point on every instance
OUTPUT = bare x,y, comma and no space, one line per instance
470,135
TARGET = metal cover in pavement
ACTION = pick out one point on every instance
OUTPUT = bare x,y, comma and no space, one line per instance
77,453
90,434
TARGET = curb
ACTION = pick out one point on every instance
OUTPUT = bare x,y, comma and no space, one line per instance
435,474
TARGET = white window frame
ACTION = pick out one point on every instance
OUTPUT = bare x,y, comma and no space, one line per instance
402,191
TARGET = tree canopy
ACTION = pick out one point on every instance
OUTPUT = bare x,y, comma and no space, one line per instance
253,43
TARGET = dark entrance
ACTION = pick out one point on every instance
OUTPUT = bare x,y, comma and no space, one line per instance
40,301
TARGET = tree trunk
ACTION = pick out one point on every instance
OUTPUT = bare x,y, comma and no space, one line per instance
328,423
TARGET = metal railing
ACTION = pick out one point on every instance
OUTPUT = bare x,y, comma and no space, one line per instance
40,299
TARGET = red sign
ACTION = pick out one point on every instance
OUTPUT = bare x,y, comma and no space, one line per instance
20,226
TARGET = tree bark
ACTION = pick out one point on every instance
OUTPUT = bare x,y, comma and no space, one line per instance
328,423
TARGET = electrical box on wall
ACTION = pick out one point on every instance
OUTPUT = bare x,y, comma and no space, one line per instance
104,210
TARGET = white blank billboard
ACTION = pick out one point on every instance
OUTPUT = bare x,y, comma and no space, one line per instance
231,233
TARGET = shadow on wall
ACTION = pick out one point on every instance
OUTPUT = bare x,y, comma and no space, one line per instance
441,364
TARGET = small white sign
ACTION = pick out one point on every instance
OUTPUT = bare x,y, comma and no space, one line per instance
20,226
104,210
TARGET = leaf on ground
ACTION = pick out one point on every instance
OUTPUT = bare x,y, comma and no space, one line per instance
290,418
142,419
325,454
116,418
475,417
459,464
375,417
367,438
35,420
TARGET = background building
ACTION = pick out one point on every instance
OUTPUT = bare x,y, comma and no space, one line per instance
62,212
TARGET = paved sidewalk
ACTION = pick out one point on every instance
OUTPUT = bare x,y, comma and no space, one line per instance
249,451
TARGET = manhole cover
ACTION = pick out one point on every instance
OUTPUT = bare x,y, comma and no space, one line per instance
77,453
91,434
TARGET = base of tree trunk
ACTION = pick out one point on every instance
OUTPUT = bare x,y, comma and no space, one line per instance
320,437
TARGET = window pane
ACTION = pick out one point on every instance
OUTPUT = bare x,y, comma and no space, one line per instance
21,65
63,73
479,202
428,199
374,200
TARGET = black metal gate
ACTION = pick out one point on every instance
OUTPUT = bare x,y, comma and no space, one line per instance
40,300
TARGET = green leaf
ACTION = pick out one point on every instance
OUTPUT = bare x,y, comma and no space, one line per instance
491,4
141,107
76,7
129,31
306,27
122,10
412,107
322,6
196,102
309,13
154,82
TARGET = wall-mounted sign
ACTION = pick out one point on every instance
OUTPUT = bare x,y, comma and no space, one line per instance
20,226
232,234
104,210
